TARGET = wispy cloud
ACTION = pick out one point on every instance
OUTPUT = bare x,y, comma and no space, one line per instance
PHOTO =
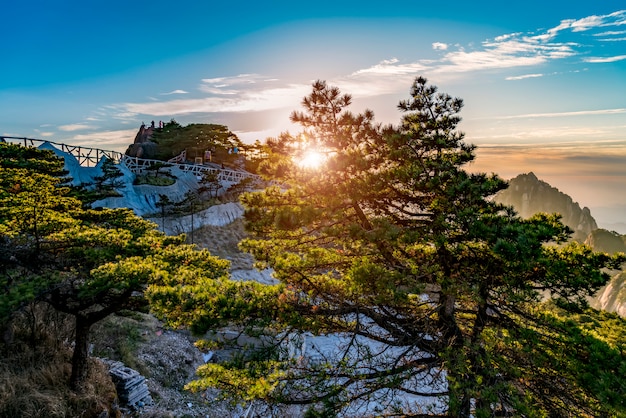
231,85
611,33
256,97
562,114
392,67
522,77
596,60
174,92
251,92
613,39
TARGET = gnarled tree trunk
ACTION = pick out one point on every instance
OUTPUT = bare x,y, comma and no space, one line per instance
81,353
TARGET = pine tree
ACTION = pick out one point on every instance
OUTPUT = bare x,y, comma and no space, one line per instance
435,294
84,262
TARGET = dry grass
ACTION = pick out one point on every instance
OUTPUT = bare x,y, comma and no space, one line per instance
40,389
35,369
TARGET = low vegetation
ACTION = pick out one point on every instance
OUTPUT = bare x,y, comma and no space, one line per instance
154,180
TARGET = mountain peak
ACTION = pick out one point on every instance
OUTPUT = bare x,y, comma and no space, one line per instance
529,195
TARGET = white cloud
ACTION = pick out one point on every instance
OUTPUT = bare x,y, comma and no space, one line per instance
232,85
440,46
519,49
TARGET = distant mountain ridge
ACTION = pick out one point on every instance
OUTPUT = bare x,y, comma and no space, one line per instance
529,195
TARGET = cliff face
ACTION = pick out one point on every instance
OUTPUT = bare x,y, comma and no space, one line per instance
612,297
529,195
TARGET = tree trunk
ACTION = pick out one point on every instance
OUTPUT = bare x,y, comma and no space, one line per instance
81,353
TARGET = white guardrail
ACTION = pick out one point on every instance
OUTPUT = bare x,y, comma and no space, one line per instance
90,157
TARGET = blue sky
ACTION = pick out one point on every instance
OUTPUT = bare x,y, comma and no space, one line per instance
543,82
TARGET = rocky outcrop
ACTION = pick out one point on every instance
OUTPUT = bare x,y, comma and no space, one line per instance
529,195
131,386
612,296
143,147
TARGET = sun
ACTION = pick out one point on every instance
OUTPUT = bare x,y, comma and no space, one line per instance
311,158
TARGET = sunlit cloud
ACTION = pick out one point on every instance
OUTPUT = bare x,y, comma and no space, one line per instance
231,85
440,46
110,140
392,67
119,112
75,127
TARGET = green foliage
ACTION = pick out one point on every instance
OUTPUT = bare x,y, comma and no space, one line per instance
196,138
392,247
42,161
